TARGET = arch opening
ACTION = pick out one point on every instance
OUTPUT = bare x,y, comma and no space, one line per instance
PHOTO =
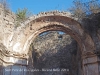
60,23
55,50
54,27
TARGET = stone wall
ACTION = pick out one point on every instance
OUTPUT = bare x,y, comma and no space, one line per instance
16,42
6,29
92,26
7,20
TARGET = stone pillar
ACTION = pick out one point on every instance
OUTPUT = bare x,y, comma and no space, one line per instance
91,64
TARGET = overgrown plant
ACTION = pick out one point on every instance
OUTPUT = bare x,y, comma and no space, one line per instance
22,15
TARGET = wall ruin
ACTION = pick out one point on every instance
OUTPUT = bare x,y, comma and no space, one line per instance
16,42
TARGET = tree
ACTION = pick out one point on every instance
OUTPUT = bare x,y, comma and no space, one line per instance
78,10
94,6
83,9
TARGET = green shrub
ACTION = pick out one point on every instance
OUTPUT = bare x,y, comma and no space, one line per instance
22,15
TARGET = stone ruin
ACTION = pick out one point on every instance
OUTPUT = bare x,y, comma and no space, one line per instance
15,43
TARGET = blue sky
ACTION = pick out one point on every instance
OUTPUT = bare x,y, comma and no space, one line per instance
36,6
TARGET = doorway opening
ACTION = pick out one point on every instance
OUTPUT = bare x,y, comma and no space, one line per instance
55,53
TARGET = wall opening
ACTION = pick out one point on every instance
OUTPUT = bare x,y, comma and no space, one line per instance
55,53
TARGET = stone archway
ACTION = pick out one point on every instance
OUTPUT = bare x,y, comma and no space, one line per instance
55,49
67,25
61,23
21,39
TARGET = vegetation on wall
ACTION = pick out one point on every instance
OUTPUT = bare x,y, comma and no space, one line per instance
22,15
80,9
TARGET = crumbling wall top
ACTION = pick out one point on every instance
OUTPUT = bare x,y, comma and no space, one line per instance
49,13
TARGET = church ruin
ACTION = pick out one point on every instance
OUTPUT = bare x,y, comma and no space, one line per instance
15,43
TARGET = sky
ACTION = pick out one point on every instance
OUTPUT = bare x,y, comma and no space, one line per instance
36,6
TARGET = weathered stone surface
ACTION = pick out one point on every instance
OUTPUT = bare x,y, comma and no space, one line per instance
17,41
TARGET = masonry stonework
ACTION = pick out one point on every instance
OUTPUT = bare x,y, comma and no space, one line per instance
15,43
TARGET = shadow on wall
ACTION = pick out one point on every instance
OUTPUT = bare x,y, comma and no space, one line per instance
92,26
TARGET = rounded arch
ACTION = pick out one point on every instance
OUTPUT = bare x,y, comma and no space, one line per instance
61,23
